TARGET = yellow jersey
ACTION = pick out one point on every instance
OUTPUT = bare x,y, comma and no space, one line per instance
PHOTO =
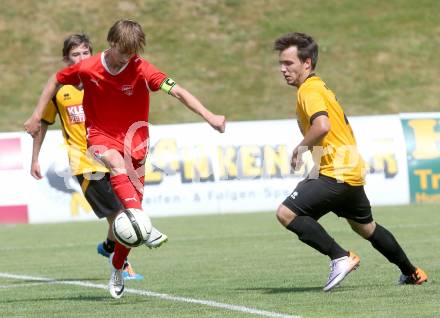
67,103
337,155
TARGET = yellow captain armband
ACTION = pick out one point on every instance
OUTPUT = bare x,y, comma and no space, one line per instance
167,85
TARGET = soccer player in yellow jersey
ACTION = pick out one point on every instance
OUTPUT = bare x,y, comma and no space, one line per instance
336,183
67,103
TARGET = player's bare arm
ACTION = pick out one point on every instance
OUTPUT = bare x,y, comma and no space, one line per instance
218,122
33,123
300,128
319,129
36,147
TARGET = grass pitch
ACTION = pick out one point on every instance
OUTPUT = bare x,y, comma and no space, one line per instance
379,57
244,260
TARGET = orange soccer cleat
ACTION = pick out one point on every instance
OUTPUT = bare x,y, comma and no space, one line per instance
416,278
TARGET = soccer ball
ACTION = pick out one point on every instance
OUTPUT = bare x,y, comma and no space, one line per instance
132,227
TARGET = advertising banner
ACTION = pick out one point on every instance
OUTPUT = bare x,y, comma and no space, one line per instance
381,142
422,134
192,169
13,190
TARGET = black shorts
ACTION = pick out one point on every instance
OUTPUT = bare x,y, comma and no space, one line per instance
100,195
317,197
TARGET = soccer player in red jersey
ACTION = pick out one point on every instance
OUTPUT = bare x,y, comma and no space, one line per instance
67,103
117,85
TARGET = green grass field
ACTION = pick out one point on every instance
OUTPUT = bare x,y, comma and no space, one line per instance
237,260
379,57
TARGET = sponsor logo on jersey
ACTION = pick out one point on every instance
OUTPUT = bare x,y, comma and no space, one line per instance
95,81
127,89
76,114
294,195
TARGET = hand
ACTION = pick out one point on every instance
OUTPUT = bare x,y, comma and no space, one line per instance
218,122
35,170
32,126
296,161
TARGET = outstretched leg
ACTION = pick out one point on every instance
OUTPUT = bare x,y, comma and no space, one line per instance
385,242
313,234
310,232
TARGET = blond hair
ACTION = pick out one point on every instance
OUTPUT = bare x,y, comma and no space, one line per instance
127,36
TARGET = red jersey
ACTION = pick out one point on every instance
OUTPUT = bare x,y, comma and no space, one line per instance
114,102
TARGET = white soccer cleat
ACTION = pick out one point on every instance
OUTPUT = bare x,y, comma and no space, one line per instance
116,283
340,268
156,239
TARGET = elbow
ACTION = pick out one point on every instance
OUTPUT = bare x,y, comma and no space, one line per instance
324,129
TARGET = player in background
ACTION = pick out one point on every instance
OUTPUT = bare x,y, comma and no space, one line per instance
338,185
117,85
91,175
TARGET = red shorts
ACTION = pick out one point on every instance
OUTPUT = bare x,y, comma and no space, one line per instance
100,142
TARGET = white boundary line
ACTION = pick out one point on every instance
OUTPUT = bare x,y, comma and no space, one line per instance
148,293
24,285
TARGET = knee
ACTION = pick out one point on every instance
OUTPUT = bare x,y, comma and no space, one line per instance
364,230
114,162
285,215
